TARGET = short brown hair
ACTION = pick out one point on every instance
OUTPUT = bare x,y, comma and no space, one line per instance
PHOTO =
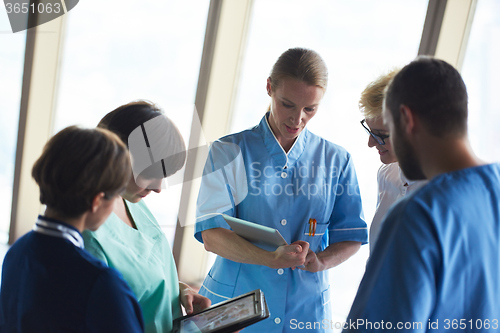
302,65
435,92
372,98
76,165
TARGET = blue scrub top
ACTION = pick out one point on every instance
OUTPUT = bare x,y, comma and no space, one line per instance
263,184
437,267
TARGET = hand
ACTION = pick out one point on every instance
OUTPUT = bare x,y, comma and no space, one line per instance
292,255
191,300
312,263
332,256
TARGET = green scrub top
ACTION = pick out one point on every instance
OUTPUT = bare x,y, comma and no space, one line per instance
144,258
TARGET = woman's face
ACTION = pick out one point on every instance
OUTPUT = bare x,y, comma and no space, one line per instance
136,190
376,126
293,104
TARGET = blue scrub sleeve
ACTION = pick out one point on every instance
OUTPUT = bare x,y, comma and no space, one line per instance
211,223
218,188
347,221
399,285
112,306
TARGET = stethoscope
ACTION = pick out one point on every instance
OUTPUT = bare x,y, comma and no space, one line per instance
57,230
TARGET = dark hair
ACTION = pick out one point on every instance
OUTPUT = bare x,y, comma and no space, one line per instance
126,118
300,64
169,146
435,92
76,165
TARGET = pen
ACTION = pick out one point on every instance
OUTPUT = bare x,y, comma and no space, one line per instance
312,227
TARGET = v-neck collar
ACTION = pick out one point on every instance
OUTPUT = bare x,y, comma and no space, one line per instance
276,150
143,237
129,215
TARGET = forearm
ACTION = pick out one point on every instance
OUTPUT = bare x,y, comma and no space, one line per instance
229,245
337,253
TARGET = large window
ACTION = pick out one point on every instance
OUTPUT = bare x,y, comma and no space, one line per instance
480,72
359,40
118,51
11,69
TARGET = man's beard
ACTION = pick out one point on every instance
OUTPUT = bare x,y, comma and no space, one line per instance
407,157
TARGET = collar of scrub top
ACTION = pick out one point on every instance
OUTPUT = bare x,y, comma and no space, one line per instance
55,228
277,152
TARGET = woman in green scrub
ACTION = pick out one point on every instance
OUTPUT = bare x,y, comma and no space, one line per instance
131,240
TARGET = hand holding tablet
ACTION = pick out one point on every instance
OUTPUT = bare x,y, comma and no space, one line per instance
227,316
268,239
264,237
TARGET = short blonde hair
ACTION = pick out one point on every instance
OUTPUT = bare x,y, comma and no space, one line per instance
370,102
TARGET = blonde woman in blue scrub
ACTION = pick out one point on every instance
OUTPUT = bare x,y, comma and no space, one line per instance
298,183
131,239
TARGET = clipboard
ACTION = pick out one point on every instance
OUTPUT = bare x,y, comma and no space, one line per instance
227,316
264,237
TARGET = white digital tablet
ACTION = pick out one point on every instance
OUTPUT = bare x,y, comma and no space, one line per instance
264,237
227,316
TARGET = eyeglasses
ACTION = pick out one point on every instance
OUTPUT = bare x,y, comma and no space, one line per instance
379,138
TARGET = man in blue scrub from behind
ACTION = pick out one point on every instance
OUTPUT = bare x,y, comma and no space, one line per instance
438,267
